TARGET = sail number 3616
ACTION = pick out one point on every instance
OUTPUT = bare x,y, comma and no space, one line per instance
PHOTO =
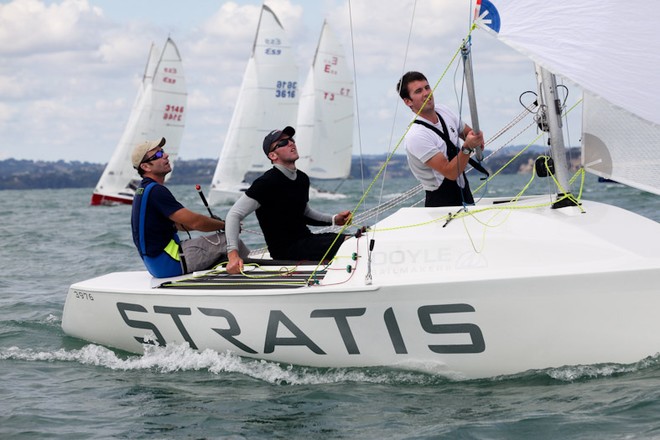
286,89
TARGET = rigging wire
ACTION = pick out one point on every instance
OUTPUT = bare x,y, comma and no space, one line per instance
390,152
398,101
565,116
355,91
412,192
357,110
459,98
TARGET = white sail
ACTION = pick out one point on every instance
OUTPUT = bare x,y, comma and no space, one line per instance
603,48
158,111
268,100
324,130
168,102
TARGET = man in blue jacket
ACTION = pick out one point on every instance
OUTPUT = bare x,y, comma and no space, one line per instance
157,216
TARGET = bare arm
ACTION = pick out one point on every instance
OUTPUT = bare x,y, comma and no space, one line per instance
451,169
192,221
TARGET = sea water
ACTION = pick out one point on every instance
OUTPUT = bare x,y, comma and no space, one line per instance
55,386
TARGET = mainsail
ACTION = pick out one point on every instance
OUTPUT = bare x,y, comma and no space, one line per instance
268,100
616,70
158,111
324,130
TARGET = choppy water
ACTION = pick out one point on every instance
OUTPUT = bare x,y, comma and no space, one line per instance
54,386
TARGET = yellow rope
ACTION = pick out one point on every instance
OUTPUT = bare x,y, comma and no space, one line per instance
463,213
508,163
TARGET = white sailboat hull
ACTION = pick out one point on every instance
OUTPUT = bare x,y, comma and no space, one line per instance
119,198
319,194
435,304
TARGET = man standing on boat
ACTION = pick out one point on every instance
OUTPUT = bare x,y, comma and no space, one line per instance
157,216
432,145
280,198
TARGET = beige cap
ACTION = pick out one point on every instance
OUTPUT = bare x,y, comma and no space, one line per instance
140,150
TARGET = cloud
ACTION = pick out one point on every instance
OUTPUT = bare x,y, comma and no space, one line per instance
63,63
69,69
30,26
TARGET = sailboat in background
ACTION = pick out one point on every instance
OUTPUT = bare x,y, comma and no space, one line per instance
158,111
268,100
324,129
507,285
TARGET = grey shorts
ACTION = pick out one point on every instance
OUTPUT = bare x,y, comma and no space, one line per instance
202,253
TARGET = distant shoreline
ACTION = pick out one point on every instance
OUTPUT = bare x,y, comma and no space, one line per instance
29,174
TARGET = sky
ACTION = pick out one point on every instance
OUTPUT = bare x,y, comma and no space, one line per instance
70,69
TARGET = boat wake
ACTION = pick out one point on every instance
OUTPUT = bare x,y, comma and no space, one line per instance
176,358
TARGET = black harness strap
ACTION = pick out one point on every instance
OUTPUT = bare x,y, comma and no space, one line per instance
452,149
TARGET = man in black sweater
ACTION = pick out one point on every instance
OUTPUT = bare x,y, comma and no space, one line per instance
280,198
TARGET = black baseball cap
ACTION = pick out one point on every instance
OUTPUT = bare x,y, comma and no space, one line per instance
276,135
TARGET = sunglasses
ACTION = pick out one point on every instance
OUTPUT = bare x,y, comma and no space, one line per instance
283,143
157,155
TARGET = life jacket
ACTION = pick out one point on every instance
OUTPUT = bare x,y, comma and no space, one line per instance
166,264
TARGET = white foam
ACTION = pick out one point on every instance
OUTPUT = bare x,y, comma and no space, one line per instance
577,372
173,358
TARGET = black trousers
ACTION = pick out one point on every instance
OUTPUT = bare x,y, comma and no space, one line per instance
311,248
449,194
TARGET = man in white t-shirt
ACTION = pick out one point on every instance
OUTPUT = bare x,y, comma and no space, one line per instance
432,145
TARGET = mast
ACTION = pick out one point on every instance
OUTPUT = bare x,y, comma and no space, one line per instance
466,53
550,105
